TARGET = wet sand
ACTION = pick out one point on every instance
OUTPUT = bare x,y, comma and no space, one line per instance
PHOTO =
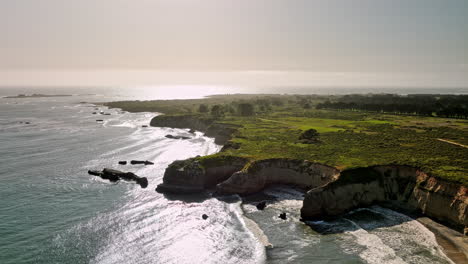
454,243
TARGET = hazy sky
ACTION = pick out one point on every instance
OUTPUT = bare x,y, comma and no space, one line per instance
401,41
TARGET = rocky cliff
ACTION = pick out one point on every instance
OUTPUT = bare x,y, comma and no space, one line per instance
403,187
236,175
260,174
332,192
219,131
197,174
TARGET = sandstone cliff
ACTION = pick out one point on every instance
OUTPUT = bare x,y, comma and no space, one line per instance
398,186
332,192
260,174
196,175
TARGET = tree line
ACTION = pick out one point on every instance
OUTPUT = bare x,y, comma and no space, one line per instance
449,106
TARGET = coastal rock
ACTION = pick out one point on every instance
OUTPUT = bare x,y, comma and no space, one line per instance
123,162
176,137
396,186
144,126
204,217
99,120
261,205
261,174
144,162
94,172
115,175
193,175
282,216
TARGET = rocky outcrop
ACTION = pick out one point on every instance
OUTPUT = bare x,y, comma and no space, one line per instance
196,175
144,162
231,175
397,186
115,175
219,131
261,174
176,137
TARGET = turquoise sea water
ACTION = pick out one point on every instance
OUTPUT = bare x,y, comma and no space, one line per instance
52,211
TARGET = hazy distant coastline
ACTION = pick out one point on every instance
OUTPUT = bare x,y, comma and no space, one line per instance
37,95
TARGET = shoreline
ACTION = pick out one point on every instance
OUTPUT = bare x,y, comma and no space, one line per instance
453,243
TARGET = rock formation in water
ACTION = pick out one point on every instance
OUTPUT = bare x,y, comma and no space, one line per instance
282,216
115,175
176,137
261,205
144,162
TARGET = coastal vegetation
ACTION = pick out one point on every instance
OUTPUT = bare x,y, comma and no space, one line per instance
274,126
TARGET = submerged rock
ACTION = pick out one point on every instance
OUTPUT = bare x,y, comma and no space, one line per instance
144,126
94,113
123,162
261,205
115,175
99,120
145,162
204,216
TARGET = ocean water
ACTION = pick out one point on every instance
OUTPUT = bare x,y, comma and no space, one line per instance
52,211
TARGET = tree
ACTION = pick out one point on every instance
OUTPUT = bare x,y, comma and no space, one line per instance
309,136
203,108
245,109
217,111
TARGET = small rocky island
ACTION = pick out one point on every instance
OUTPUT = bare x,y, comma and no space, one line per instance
115,176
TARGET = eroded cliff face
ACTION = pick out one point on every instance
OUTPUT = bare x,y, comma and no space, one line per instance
402,187
261,174
193,175
332,192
